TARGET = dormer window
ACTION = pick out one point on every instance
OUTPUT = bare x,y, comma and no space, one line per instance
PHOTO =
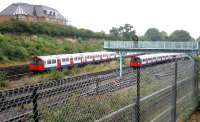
50,13
45,11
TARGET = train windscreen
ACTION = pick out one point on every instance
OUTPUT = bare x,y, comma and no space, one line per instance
37,61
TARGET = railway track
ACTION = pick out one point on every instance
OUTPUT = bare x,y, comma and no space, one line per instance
97,83
14,72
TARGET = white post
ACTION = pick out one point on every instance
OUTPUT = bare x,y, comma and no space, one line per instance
120,56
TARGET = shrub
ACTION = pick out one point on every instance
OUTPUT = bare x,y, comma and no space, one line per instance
3,83
3,75
18,26
22,47
55,75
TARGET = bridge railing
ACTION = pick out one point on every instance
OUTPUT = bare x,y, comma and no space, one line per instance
151,45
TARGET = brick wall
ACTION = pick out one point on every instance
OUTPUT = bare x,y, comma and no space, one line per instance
4,18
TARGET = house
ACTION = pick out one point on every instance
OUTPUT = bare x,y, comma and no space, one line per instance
32,13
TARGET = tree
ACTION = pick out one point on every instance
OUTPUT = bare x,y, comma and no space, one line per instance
164,36
153,34
198,39
125,32
180,35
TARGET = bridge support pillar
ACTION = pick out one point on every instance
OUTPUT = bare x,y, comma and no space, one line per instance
121,58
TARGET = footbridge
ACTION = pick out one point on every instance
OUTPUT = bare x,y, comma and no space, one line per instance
191,47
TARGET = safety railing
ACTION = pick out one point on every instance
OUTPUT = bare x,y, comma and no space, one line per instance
168,45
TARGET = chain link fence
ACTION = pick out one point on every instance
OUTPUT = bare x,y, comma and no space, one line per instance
106,97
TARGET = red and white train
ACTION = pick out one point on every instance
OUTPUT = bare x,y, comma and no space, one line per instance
148,59
45,63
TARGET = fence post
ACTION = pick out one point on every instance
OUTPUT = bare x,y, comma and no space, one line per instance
138,96
174,94
196,73
97,86
35,111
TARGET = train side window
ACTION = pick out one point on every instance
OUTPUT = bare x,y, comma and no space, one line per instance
53,61
63,60
67,59
48,61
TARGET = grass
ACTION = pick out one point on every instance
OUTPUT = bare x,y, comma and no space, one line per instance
21,47
3,82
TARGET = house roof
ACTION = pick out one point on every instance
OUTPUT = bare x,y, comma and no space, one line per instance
32,10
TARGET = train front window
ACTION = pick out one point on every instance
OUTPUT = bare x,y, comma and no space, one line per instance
135,60
37,62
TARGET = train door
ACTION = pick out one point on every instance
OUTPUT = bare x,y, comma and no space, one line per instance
93,59
59,64
82,61
71,61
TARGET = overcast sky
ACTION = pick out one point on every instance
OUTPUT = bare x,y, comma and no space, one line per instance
101,15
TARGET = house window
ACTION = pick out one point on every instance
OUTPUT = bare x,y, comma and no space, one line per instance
45,11
50,13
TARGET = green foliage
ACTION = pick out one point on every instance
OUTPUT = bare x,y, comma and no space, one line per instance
180,35
3,82
54,75
153,34
125,32
17,26
56,119
22,47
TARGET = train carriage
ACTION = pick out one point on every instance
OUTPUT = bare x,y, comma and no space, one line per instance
148,59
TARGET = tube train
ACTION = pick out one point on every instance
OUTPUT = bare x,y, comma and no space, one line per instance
148,59
46,63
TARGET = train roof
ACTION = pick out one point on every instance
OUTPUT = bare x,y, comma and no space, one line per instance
157,55
71,55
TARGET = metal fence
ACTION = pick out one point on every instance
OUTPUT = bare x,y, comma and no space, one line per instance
106,97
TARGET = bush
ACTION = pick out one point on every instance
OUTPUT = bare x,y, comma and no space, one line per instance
3,83
22,47
18,26
2,76
55,75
